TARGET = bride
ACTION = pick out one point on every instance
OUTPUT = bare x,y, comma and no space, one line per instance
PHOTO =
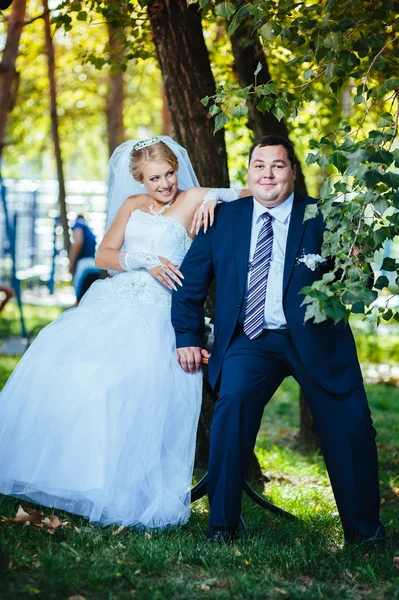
99,419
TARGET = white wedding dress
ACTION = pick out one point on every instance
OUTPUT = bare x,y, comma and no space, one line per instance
98,418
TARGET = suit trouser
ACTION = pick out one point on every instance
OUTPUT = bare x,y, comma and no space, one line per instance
252,372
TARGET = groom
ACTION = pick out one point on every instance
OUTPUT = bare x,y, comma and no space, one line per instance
258,252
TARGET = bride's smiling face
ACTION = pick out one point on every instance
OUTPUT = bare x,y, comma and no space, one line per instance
160,179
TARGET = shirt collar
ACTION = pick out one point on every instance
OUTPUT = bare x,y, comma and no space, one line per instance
281,212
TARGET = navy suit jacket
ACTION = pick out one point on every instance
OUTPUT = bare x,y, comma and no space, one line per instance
327,351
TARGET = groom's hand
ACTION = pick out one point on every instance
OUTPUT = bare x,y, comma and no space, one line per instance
190,358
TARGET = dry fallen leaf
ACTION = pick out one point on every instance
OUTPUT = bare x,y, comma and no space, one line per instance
205,587
396,561
34,518
76,598
281,591
119,530
21,515
297,541
367,558
332,549
147,535
237,552
137,572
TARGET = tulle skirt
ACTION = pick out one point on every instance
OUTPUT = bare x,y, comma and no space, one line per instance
98,418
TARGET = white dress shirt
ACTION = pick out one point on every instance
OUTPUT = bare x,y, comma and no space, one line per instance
274,317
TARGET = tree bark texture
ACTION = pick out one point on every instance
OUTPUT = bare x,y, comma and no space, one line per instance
116,92
187,77
54,124
248,53
165,115
8,74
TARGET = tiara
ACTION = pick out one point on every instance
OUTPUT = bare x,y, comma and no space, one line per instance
145,143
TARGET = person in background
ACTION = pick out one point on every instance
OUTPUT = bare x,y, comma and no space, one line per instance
81,257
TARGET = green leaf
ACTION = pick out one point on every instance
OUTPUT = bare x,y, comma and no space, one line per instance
240,15
333,40
382,156
330,72
389,264
389,85
278,113
214,109
243,93
264,90
358,293
308,74
335,310
380,205
311,158
311,211
258,69
372,177
220,121
325,189
385,120
391,179
267,32
205,100
82,16
225,10
239,111
339,161
381,282
358,308
313,312
387,316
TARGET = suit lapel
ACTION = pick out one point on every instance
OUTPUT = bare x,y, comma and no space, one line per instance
242,239
295,234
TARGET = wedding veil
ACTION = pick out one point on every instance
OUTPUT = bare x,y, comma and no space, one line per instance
121,183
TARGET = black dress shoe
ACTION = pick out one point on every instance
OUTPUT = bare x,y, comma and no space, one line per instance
382,546
221,535
378,545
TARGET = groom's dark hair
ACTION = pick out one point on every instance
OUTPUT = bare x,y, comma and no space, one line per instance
274,140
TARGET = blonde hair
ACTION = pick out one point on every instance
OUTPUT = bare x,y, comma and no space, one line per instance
156,152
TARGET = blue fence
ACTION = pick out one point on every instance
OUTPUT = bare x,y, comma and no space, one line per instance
31,241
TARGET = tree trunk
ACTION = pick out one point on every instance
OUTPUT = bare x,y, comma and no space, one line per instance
165,115
54,125
7,65
116,91
187,77
308,438
248,53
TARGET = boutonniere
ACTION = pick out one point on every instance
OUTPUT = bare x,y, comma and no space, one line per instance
312,261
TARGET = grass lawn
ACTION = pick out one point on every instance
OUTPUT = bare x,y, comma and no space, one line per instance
279,559
35,318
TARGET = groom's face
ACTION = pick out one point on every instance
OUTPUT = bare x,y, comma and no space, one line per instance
271,176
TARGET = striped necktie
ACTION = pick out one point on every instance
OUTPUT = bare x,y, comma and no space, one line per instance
259,273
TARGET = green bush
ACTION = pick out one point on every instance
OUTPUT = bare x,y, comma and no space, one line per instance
377,349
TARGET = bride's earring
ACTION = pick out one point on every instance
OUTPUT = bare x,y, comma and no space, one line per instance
142,185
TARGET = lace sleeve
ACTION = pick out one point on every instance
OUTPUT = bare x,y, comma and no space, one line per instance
222,194
141,260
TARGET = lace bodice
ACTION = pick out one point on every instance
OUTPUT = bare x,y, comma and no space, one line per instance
156,235
151,234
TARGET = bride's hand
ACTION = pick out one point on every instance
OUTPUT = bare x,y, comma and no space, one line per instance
167,273
204,215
